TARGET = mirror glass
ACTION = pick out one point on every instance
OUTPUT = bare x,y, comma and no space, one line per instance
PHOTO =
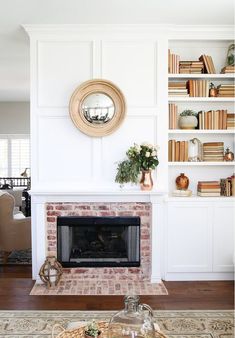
98,108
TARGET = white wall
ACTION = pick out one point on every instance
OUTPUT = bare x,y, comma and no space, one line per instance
14,118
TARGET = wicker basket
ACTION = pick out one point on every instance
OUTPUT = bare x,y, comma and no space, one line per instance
79,332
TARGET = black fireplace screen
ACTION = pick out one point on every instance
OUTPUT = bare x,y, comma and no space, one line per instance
98,241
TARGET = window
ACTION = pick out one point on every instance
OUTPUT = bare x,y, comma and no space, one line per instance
14,155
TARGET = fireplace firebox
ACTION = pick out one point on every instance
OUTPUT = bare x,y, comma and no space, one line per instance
84,241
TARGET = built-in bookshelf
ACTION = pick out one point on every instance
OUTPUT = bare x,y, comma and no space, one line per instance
190,80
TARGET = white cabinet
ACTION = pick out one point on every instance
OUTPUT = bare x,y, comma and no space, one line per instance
199,239
223,237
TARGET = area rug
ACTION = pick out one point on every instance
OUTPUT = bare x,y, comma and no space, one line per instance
174,324
99,287
18,257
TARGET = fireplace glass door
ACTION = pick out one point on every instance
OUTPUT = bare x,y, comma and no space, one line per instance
98,241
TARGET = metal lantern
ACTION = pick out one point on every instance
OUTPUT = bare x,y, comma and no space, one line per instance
51,271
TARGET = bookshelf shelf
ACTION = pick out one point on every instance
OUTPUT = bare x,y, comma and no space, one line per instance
200,131
200,99
200,164
171,198
202,76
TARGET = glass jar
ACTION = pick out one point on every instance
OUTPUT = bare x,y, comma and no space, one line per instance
136,320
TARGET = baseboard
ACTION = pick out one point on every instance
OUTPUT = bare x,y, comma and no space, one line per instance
199,276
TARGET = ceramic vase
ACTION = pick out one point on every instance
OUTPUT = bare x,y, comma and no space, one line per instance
182,182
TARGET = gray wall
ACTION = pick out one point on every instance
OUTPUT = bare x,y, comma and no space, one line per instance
14,118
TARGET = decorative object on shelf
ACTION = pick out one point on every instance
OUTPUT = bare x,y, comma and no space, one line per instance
231,55
195,150
92,330
182,182
51,271
140,158
97,107
188,119
136,320
228,156
213,92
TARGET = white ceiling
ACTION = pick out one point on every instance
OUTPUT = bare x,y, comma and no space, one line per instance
14,43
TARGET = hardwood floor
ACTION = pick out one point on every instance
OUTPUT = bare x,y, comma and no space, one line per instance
16,284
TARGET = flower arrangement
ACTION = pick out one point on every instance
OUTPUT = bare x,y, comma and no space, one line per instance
139,158
92,329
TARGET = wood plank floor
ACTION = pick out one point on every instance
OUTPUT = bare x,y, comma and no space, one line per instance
16,284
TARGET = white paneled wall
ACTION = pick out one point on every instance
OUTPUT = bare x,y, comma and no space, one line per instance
62,156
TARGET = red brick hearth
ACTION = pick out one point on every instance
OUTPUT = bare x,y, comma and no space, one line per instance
104,209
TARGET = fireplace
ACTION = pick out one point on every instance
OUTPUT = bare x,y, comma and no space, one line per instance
88,241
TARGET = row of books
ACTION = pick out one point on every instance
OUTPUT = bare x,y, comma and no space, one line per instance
178,89
208,188
173,63
226,90
230,121
208,63
213,151
173,116
177,151
204,65
227,186
213,119
228,70
224,187
191,67
207,120
198,88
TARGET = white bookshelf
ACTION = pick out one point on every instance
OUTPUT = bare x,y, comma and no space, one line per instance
191,50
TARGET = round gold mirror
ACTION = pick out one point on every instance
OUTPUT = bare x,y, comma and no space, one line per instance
97,107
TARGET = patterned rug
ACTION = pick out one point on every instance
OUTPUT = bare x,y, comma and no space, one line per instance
175,324
18,257
99,287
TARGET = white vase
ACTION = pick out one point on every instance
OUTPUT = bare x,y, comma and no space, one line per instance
188,122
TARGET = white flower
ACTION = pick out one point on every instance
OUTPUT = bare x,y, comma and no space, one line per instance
154,153
147,154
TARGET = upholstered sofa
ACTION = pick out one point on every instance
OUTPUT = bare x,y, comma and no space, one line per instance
15,230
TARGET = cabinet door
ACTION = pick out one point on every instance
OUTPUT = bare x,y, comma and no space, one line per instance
223,238
189,238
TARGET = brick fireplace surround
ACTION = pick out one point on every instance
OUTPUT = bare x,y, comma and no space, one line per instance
46,207
104,209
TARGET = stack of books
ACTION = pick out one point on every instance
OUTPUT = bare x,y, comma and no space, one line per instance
230,121
212,119
209,67
177,89
208,188
198,88
226,90
191,67
213,151
228,70
173,63
177,151
227,186
173,113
